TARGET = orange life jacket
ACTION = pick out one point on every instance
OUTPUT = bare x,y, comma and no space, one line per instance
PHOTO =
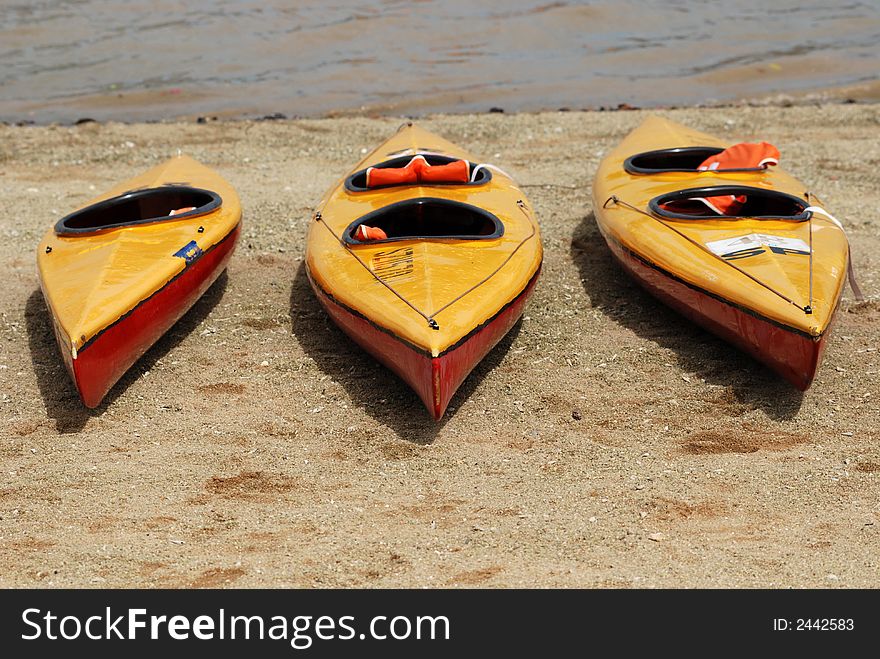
728,205
363,232
738,156
418,170
742,156
178,211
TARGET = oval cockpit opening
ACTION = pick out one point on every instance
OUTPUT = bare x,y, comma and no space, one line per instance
737,201
139,207
681,159
477,175
427,218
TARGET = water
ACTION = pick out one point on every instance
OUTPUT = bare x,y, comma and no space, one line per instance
136,60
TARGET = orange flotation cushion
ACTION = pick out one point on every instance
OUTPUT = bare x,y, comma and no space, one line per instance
454,172
391,176
418,170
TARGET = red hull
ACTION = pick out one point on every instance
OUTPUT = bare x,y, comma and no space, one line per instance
792,355
434,379
106,358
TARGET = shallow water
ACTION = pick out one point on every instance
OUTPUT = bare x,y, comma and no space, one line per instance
137,60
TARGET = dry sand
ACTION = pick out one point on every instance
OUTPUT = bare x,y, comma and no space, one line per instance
606,442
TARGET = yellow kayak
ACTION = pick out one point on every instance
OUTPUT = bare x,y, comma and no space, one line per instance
767,278
450,271
119,272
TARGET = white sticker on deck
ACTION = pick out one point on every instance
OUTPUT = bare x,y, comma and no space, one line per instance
754,242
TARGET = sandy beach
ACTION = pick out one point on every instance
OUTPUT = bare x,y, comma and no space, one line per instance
606,442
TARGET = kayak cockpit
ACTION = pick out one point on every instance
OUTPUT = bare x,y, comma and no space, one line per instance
733,202
171,202
427,218
474,174
679,159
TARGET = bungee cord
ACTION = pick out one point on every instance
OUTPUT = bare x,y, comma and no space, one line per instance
429,317
806,309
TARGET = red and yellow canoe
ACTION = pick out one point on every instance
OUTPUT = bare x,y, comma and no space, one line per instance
119,272
768,279
450,277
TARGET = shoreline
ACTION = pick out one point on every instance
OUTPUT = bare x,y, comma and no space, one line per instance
605,443
867,93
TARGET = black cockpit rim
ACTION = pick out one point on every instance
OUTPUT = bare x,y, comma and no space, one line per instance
479,223
357,182
143,206
678,159
761,204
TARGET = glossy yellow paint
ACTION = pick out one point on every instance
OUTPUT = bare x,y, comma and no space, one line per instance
654,240
437,270
90,281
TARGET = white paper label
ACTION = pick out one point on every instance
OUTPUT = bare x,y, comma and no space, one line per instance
755,241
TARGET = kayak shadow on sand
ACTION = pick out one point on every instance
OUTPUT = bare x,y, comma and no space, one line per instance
59,395
697,351
371,386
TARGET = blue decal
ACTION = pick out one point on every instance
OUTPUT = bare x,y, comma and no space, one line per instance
189,252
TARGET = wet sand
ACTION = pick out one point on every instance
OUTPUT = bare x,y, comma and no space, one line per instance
606,442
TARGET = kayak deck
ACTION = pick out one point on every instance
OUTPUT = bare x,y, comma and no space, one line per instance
768,280
458,262
119,272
